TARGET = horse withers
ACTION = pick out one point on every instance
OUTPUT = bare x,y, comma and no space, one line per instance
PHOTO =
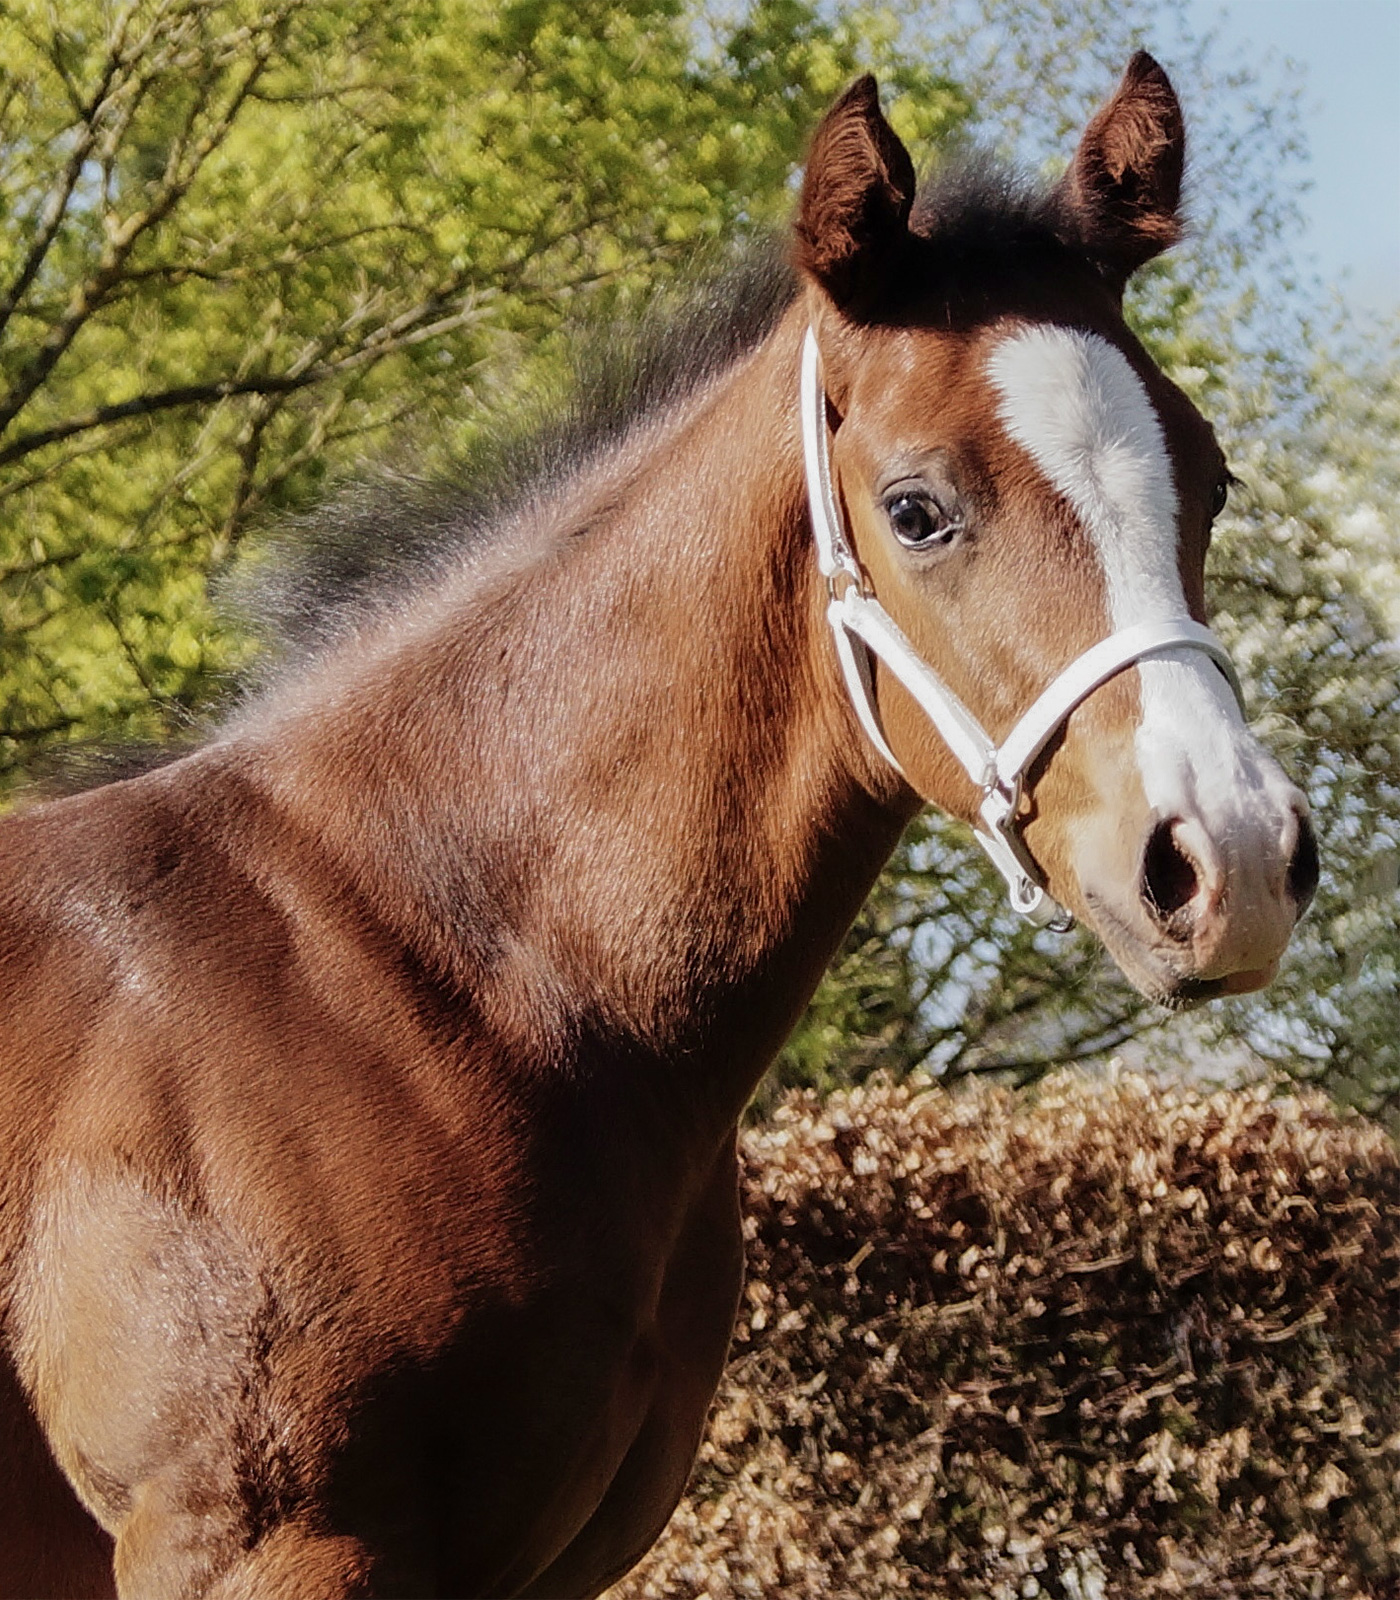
371,1074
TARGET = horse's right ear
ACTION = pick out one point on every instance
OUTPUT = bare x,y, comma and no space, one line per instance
856,196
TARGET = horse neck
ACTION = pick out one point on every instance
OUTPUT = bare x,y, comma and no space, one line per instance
615,796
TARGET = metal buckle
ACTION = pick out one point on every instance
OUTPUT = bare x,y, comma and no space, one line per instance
834,594
1011,858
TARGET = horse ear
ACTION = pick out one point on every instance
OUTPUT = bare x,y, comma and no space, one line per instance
856,195
1123,188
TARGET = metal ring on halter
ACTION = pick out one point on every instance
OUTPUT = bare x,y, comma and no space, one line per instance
863,629
849,582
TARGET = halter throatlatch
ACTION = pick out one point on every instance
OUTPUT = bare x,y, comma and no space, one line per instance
862,628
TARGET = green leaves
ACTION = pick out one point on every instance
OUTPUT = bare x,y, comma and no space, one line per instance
242,241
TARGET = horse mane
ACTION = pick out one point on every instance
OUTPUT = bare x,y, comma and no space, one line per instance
390,533
385,536
974,206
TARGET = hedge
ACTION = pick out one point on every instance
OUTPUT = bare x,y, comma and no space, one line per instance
1117,1339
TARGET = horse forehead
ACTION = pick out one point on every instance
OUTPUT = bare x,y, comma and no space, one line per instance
1074,403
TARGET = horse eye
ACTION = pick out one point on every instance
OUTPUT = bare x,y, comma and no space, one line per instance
918,523
1220,495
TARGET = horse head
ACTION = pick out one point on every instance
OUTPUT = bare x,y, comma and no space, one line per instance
1014,505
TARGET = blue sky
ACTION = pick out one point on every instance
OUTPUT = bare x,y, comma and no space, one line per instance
1350,50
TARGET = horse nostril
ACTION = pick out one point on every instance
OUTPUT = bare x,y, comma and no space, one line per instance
1169,878
1301,881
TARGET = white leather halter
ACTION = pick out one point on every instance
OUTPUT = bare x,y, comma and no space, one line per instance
862,627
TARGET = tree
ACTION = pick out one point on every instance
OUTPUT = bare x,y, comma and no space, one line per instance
245,239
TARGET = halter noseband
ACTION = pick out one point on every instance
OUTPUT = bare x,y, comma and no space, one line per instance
862,627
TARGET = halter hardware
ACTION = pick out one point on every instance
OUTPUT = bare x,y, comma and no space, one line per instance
863,629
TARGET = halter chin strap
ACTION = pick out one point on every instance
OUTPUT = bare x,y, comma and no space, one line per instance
862,628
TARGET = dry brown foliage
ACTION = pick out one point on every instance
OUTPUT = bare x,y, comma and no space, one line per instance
1115,1340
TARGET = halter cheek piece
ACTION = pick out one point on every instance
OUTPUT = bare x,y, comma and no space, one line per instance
862,627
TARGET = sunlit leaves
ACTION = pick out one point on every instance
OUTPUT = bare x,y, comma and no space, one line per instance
243,241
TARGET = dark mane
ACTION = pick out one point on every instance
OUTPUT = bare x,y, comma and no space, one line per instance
386,536
975,204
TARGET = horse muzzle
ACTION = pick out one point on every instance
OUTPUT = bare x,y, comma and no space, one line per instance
1214,899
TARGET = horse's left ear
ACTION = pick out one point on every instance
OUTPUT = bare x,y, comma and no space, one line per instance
1123,188
857,192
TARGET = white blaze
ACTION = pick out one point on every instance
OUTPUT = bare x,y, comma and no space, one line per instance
1075,405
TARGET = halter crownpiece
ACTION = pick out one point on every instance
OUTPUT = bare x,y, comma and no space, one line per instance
862,629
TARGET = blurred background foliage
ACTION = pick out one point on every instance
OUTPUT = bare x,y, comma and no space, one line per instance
247,246
242,242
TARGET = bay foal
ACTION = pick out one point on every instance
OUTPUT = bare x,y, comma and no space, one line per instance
368,1221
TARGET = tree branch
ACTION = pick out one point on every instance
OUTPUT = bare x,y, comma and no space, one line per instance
374,349
36,732
91,295
55,207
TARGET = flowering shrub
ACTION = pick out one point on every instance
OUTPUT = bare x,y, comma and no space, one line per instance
1113,1340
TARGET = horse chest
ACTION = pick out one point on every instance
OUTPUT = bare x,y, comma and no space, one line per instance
579,1424
526,1441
